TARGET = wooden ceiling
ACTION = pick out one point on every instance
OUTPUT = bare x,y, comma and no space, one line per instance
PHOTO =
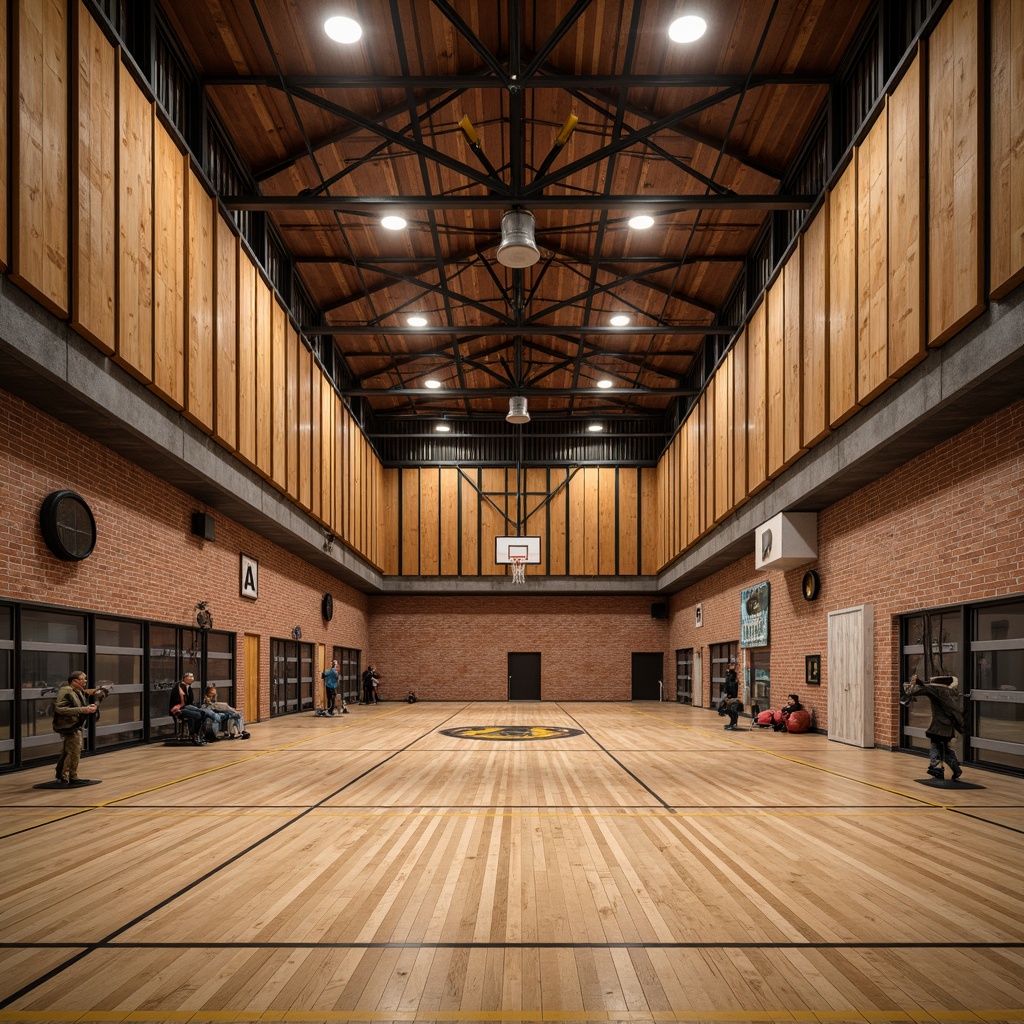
698,136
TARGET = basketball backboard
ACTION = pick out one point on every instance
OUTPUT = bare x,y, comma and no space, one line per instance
508,549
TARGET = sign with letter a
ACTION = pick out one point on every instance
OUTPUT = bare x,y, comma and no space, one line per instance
249,579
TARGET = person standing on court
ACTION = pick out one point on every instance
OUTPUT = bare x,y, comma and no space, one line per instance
330,678
730,695
370,679
70,710
947,720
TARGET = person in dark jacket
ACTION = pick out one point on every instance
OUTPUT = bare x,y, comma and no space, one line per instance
947,720
794,705
70,708
730,703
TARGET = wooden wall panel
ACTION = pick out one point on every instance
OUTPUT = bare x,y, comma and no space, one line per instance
306,371
325,479
226,333
316,453
650,514
740,438
93,173
338,416
537,512
757,400
793,330
247,389
263,304
1006,145
842,338
39,257
576,523
450,531
775,341
469,502
168,267
558,518
873,262
493,509
906,219
430,520
279,398
410,522
707,443
135,228
390,520
358,491
629,512
607,524
816,327
693,483
199,374
5,49
723,436
292,348
955,186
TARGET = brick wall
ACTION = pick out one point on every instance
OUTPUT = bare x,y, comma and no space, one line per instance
456,648
146,563
946,528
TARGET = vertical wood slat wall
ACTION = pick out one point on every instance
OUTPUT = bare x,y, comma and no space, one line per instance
592,521
892,262
113,229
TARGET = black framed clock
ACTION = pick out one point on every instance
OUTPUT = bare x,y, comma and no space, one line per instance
811,585
327,607
68,526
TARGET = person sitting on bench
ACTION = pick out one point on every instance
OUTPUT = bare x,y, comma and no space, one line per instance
184,708
228,719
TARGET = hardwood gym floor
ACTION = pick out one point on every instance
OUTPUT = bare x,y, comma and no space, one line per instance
369,868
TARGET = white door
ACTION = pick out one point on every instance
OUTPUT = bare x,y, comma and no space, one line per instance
851,676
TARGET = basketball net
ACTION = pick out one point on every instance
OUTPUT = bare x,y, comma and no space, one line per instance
518,570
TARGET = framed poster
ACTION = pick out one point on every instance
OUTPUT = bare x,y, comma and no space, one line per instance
812,669
249,577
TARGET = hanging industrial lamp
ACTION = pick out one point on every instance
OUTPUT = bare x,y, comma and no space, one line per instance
518,248
517,410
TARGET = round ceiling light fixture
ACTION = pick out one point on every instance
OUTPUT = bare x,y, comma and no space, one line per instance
604,383
432,384
343,30
518,248
416,321
517,410
443,428
619,320
641,222
687,29
595,428
393,222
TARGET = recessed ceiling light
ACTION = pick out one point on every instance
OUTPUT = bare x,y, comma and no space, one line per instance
641,222
417,321
432,384
687,29
342,29
392,222
595,428
619,320
443,428
605,383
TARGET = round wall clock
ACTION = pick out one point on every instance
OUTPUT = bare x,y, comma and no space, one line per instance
811,585
327,607
68,526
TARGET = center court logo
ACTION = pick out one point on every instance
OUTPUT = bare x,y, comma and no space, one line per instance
511,732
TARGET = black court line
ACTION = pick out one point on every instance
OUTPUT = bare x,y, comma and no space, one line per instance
640,782
53,972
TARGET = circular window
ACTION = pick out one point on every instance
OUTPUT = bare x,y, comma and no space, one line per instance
68,526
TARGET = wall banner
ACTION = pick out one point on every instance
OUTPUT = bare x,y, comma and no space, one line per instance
754,604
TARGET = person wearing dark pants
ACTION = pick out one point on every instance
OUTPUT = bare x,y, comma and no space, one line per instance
730,696
947,720
70,710
330,677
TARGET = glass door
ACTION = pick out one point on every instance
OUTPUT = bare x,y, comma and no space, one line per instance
996,713
6,686
684,676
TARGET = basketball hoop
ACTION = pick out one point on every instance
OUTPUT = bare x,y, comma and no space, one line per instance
518,563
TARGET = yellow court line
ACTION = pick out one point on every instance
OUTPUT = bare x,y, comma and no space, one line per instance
771,1016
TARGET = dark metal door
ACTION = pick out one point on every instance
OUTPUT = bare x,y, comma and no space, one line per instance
523,676
648,672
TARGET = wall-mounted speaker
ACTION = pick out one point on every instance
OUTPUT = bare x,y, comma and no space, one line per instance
202,525
659,610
